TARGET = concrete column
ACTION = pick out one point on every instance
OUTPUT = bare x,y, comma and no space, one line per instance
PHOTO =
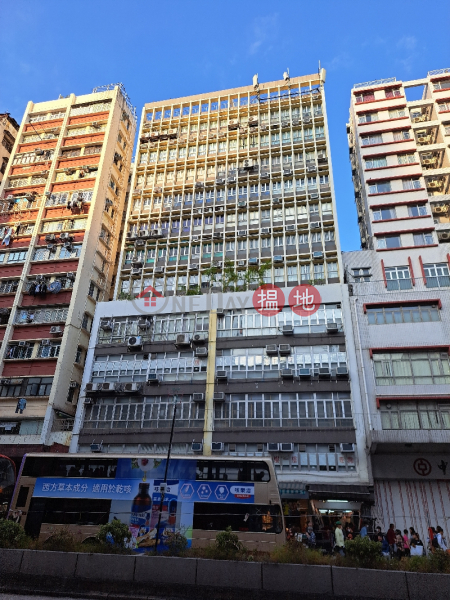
210,380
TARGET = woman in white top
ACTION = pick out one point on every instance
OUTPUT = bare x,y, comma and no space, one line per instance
441,539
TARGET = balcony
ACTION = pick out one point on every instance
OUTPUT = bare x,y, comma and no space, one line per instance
408,436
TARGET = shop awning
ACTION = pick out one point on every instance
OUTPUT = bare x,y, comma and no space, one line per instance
326,491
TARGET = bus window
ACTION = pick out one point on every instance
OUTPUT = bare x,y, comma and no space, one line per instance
214,470
70,467
22,496
240,517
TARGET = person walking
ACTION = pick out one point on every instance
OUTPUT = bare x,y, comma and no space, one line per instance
390,536
441,539
339,539
406,542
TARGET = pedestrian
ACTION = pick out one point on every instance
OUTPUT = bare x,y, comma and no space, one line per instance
384,545
349,533
390,536
339,539
432,540
400,545
363,532
311,537
406,542
416,545
441,539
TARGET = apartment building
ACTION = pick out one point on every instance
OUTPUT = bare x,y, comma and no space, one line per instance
62,199
283,386
8,132
400,292
228,182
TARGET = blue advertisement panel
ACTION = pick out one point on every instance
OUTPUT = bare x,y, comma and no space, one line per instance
106,489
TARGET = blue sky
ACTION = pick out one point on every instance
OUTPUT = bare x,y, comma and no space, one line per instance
168,49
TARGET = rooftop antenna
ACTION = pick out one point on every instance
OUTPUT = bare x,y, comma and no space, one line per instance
319,66
286,76
256,85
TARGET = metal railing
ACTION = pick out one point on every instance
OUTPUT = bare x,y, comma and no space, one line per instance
429,284
375,82
438,72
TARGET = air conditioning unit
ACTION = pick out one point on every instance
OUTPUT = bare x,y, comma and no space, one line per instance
73,384
317,254
63,236
423,139
287,171
253,262
159,269
22,344
288,330
341,372
284,349
139,243
56,329
152,378
241,263
271,349
134,341
155,233
273,447
183,339
439,209
324,373
311,168
144,324
220,181
220,313
287,374
96,447
106,325
434,184
219,397
71,276
231,180
266,230
131,235
132,387
45,342
304,373
109,387
144,234
193,267
217,446
218,235
314,196
278,258
444,235
200,338
286,447
221,375
38,152
201,352
50,237
290,228
91,387
315,225
242,232
332,327
136,271
197,447
197,397
347,447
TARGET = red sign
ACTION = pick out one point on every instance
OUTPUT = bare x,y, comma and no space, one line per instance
422,467
268,300
304,300
150,301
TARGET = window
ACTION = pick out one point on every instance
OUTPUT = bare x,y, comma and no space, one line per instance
417,210
415,415
365,97
368,117
382,187
397,113
404,159
394,93
423,239
442,85
411,184
332,269
38,386
398,278
444,106
376,163
17,257
362,274
48,351
369,140
412,368
437,275
382,214
401,135
386,315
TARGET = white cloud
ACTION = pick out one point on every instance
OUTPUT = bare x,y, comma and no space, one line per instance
407,42
263,29
342,60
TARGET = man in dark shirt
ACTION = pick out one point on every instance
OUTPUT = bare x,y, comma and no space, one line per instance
390,536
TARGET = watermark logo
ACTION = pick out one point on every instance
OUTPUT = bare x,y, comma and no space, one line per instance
150,301
268,300
304,300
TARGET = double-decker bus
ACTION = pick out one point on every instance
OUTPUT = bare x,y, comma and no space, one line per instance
203,495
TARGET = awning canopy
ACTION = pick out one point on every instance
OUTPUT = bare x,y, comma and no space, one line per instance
326,491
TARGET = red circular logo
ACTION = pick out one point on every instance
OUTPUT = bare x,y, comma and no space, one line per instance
422,467
304,300
268,299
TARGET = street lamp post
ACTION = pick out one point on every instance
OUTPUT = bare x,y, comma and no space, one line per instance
163,487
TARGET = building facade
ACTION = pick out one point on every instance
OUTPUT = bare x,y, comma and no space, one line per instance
400,294
62,201
8,133
245,384
231,182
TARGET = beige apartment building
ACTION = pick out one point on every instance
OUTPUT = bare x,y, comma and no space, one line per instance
61,207
228,183
8,132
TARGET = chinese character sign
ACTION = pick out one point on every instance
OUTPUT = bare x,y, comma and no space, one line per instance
304,300
268,300
108,489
